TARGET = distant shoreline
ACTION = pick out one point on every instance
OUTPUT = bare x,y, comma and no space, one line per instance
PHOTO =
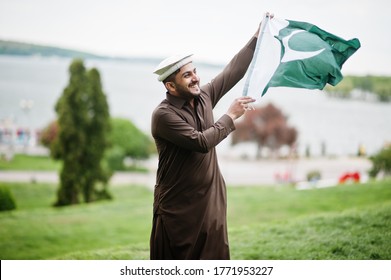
15,48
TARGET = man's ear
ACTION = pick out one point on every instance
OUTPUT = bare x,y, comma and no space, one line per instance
170,86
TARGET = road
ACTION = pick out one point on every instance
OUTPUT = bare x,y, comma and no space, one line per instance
236,172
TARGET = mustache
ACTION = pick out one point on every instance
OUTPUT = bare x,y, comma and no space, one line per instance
194,83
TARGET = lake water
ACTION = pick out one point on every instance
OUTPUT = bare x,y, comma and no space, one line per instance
133,92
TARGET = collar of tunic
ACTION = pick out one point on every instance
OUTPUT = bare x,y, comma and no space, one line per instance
177,102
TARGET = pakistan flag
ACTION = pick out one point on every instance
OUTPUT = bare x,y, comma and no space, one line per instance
296,54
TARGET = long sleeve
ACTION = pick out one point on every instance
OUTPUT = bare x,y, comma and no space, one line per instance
232,73
172,128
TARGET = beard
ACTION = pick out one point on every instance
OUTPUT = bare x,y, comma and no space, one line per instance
190,91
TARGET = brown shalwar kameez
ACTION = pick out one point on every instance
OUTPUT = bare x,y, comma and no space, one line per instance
190,201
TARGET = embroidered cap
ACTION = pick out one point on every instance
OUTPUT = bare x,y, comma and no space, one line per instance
171,64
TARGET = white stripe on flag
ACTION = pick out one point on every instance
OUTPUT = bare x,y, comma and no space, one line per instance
267,57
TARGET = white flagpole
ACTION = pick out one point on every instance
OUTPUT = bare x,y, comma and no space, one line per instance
254,60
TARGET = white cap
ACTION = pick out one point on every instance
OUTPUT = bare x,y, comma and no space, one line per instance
170,65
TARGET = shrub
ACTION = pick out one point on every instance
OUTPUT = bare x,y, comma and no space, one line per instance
7,201
381,162
115,158
313,175
127,136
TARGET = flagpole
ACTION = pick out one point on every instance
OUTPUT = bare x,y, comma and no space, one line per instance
255,56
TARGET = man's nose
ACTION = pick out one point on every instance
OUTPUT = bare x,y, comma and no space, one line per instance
195,78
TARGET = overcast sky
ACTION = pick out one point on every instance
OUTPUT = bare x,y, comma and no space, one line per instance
212,30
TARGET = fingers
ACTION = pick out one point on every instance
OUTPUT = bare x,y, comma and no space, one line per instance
245,102
271,15
245,99
239,106
249,108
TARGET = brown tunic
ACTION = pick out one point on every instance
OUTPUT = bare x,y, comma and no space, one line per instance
189,210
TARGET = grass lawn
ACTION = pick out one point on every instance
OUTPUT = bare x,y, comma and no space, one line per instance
29,162
345,222
46,163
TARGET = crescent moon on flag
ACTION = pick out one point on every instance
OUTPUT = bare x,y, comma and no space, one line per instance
291,55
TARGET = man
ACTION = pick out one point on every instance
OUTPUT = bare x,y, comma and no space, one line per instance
190,202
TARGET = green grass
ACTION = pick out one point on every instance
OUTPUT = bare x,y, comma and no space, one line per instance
354,234
28,162
46,163
38,231
345,222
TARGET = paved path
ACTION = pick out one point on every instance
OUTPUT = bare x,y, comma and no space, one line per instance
252,172
236,172
52,177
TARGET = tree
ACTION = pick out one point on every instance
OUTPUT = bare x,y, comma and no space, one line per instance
83,126
267,126
97,133
379,85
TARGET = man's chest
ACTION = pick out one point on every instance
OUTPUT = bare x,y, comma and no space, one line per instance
199,116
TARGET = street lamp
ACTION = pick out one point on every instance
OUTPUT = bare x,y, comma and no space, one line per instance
26,105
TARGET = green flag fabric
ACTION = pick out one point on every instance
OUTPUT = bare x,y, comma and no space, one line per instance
296,54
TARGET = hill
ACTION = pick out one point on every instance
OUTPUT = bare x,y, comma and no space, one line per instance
27,49
19,48
350,222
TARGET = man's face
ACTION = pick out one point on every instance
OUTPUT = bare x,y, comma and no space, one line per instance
187,82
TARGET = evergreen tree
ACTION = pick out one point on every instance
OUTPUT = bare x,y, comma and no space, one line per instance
97,133
83,122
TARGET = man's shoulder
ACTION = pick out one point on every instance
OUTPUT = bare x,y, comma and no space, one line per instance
162,108
163,104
